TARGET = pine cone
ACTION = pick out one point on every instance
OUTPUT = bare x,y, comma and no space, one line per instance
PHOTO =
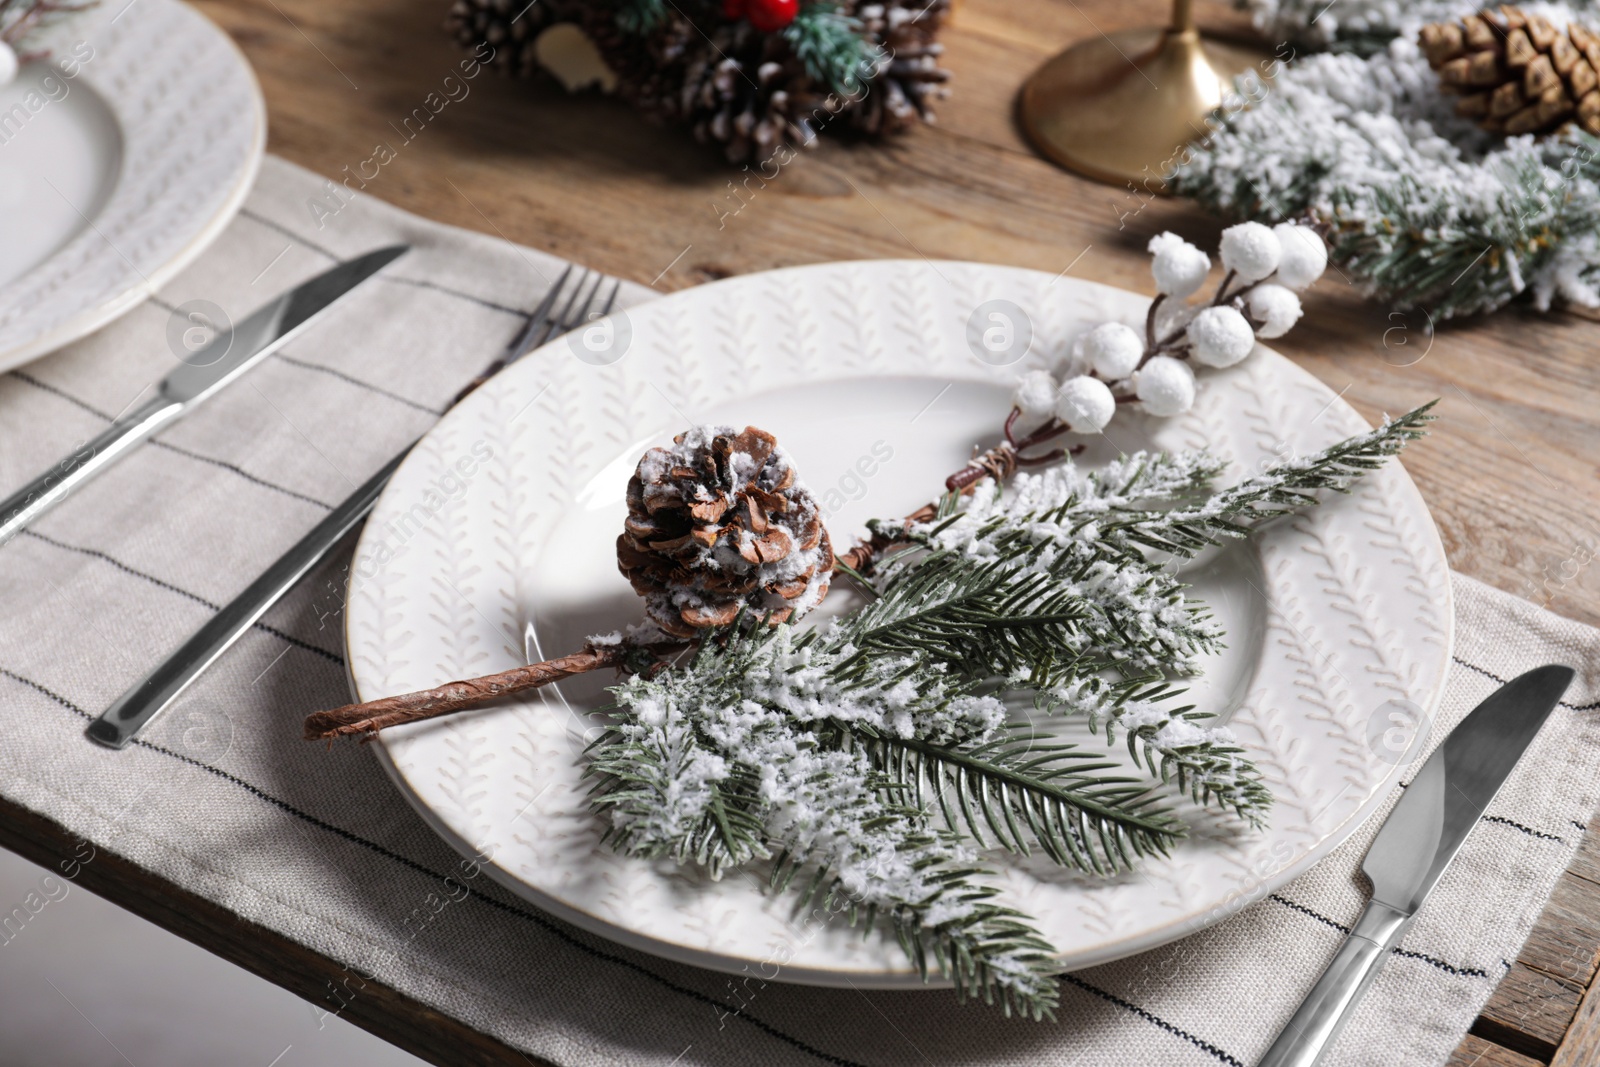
1517,73
748,93
905,89
717,524
496,22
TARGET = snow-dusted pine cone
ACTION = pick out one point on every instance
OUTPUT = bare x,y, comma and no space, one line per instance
718,523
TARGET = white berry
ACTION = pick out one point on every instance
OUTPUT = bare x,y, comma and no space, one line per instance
1036,394
1165,386
1250,250
1085,404
1275,307
1305,256
1221,336
1112,350
8,64
1179,267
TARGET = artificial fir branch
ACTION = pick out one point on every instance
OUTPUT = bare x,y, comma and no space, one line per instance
1029,791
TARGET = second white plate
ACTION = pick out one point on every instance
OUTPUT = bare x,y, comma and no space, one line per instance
504,519
120,162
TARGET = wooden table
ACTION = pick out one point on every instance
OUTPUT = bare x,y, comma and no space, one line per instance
1504,470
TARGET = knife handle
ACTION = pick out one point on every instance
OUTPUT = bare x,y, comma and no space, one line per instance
1323,1013
47,490
119,723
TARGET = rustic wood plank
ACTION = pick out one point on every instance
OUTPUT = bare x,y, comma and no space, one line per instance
1586,864
393,1016
1476,1052
1581,1045
1565,942
1529,1012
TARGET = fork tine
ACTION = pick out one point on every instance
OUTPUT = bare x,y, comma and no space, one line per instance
571,321
562,322
611,299
538,320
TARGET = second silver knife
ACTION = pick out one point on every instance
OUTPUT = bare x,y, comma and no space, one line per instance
205,371
1415,845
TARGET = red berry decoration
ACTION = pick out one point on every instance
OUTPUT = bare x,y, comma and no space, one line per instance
733,10
769,16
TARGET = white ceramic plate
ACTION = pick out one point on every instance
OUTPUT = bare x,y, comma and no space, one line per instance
504,519
115,177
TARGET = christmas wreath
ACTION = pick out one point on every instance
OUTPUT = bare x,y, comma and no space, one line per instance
755,76
1449,157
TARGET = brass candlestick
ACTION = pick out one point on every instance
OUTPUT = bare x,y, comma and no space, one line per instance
1119,107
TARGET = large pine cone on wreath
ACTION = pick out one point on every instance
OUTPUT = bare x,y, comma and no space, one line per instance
1516,72
718,524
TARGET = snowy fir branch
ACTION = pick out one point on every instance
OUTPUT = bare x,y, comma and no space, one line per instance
873,759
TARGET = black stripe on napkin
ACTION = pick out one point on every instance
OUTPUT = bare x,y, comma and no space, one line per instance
1473,972
161,583
1525,829
393,279
368,386
240,471
1153,1019
1502,681
341,375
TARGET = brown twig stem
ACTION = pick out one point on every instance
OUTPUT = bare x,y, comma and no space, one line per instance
374,715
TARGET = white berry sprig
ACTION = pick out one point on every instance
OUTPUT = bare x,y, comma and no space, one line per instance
1112,364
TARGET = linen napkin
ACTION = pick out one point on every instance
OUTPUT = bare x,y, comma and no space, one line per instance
222,798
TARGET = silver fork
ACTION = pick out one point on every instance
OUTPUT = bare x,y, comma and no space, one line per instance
123,720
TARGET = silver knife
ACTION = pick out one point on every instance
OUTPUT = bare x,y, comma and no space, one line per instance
122,721
204,372
1417,842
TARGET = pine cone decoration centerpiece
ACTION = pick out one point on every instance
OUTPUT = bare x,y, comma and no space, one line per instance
717,524
752,76
1516,72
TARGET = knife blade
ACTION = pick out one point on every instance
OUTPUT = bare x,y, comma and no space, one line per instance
204,372
1416,843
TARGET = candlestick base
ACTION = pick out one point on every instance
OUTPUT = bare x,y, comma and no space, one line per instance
1119,108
